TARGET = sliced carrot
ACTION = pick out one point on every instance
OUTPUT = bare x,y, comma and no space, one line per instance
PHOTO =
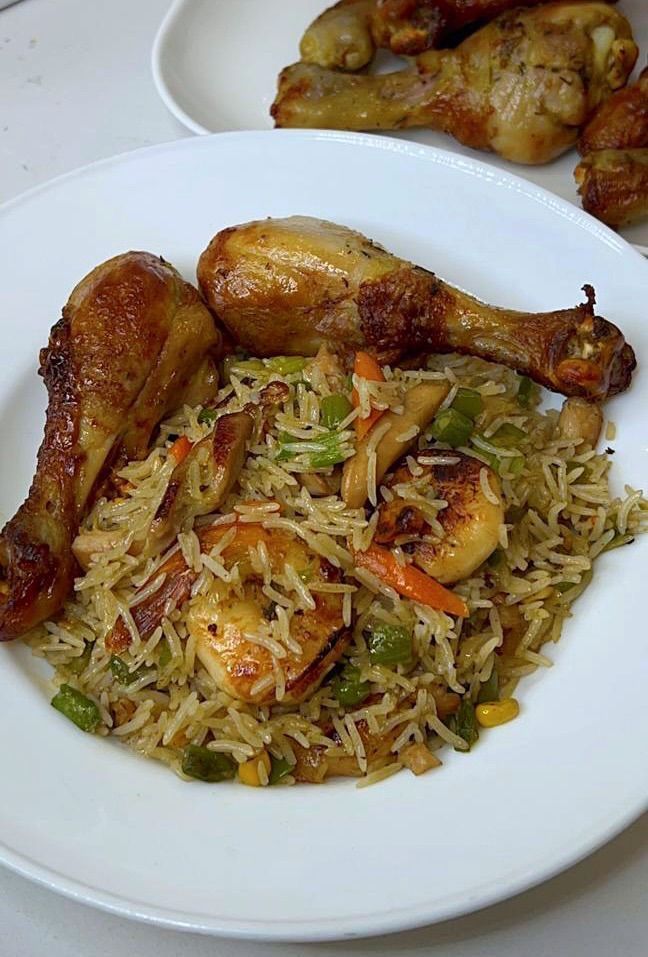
180,449
409,581
366,367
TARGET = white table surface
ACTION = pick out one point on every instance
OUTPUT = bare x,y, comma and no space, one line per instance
75,86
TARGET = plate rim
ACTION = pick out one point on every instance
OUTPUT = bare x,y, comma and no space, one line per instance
378,141
405,918
159,79
366,926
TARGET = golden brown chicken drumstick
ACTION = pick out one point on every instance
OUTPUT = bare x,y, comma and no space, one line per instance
522,86
131,337
613,185
346,35
288,286
621,123
613,176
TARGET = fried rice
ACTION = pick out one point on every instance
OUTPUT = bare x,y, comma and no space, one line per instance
160,700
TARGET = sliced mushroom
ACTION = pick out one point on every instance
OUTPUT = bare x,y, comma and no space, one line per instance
580,421
421,403
203,480
91,542
319,485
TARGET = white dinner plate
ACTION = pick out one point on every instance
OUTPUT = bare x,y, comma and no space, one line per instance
89,818
215,65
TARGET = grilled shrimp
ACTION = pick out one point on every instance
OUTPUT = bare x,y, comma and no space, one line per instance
470,522
231,621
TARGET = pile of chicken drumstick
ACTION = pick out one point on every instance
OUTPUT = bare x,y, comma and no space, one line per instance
525,79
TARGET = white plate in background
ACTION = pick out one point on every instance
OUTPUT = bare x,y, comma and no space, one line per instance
86,817
215,65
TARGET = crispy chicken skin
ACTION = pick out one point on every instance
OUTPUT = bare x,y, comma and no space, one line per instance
131,336
289,286
621,123
613,185
522,86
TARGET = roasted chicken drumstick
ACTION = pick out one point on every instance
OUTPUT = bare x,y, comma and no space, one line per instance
131,337
292,285
613,176
613,185
346,35
621,123
522,86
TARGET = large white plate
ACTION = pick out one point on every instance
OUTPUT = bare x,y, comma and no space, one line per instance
90,819
215,65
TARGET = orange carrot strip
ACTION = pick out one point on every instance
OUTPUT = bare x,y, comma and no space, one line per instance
410,581
366,367
180,449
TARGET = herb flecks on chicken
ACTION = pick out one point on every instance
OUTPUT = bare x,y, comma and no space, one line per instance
522,87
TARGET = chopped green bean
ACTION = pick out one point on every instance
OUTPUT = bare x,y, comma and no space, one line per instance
525,391
334,409
468,402
77,708
279,769
388,644
323,451
464,723
514,465
452,427
563,587
489,690
122,673
247,368
499,463
286,365
165,653
77,665
324,460
348,688
205,765
508,436
207,416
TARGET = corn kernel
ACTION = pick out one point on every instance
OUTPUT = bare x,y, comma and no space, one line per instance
248,772
493,713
